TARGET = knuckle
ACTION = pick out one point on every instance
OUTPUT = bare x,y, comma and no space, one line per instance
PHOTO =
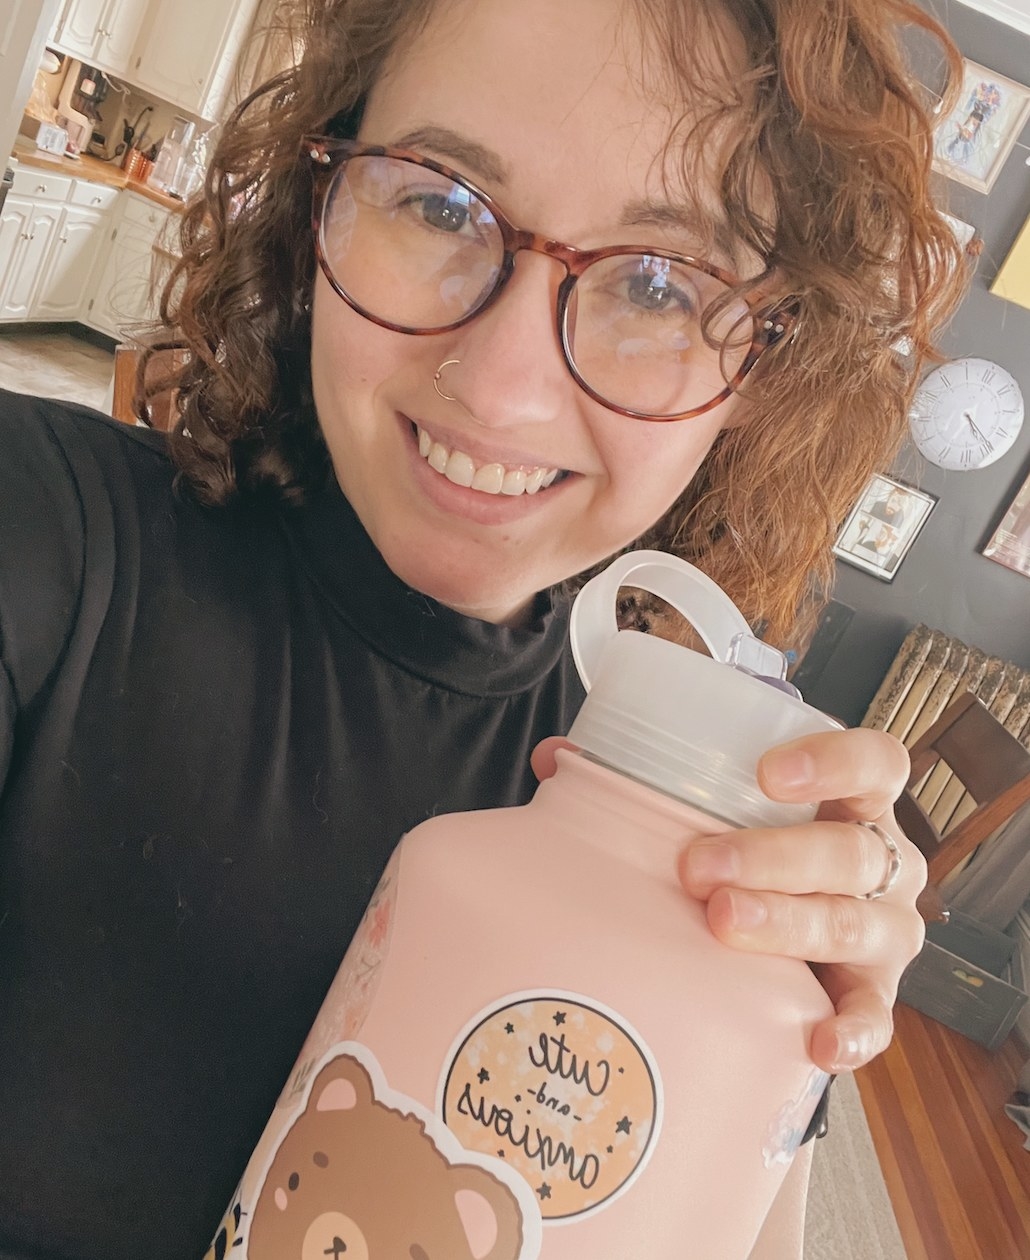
846,923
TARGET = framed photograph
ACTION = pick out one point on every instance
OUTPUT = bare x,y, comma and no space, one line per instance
973,141
882,526
1010,542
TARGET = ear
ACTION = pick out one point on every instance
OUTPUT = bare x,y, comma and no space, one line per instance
489,1214
342,1085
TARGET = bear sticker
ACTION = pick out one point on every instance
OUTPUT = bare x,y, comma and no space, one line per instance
359,1177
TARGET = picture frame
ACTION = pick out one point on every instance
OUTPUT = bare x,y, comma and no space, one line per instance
1010,543
882,526
972,143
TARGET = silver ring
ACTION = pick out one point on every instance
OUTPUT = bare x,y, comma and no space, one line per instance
893,861
436,378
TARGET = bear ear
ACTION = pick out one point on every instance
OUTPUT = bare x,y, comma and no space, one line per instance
489,1213
342,1085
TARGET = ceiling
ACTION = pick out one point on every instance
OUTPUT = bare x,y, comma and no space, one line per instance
1013,12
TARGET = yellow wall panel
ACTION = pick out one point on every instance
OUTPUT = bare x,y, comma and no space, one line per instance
1013,280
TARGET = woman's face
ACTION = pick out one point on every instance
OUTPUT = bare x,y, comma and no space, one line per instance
538,103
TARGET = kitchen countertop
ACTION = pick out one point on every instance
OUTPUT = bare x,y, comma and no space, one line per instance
91,168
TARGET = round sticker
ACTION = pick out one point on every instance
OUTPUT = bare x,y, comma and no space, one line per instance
563,1091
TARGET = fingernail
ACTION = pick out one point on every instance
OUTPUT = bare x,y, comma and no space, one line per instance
850,1048
791,769
712,863
748,911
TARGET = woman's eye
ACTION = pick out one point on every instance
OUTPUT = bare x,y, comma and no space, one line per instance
443,213
654,291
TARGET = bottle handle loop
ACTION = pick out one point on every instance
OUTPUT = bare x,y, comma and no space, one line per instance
695,596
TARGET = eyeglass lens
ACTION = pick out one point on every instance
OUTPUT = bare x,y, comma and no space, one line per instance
418,250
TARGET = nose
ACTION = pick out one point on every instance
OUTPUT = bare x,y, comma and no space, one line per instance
512,371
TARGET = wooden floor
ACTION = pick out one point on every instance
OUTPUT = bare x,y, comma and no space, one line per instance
954,1164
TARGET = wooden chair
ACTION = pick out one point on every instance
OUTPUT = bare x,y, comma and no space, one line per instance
993,767
162,413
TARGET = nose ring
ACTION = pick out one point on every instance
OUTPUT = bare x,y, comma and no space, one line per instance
436,378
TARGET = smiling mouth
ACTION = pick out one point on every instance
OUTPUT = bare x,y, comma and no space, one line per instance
462,470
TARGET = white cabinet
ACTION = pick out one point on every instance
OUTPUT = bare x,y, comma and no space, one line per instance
102,32
69,264
127,287
51,233
187,51
14,234
37,228
78,31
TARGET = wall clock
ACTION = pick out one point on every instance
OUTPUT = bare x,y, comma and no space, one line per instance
966,414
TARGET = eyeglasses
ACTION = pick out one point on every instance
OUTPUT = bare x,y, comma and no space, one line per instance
417,248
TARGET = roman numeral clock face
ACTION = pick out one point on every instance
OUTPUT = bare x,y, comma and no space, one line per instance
966,414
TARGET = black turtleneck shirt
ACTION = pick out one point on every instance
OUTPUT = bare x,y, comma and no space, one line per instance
215,725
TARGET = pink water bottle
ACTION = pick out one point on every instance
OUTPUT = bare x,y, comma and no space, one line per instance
535,1047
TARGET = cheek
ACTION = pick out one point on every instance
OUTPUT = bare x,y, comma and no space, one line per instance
650,465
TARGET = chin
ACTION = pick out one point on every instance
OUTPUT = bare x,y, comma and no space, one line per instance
457,588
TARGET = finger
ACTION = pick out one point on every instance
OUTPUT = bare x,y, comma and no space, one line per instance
863,1024
834,857
818,928
862,771
542,758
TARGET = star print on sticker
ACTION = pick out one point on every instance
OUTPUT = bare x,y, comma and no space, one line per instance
484,1076
559,1017
509,1028
545,1191
623,1126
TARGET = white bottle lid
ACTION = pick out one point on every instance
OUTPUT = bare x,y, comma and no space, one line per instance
690,725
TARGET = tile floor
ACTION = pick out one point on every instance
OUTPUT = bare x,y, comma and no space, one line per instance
57,361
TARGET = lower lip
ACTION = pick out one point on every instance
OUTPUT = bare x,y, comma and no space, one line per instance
474,505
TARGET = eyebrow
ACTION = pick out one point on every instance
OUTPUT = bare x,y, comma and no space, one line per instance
487,165
476,158
666,214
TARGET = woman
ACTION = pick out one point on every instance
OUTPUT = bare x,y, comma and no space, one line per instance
222,706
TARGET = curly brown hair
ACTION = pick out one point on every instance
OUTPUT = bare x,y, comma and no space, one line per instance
824,172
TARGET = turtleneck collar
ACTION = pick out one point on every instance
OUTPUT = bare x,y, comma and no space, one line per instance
418,634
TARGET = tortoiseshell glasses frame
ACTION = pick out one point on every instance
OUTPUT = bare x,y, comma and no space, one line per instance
771,322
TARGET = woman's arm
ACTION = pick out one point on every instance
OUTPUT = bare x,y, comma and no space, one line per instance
783,1234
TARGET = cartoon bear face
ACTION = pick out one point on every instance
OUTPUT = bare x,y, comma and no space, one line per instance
354,1179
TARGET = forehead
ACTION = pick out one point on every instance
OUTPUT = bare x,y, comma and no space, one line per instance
563,110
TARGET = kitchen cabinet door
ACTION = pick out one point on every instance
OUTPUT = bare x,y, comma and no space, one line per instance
14,233
78,30
69,266
25,270
124,294
119,33
102,32
184,47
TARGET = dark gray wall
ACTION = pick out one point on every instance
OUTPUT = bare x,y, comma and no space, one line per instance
944,582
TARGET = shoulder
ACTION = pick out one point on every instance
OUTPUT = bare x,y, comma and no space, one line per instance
43,431
67,475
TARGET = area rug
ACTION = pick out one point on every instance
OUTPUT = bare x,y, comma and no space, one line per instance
849,1211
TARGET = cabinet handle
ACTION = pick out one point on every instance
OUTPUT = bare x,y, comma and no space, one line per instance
41,188
25,236
63,240
96,201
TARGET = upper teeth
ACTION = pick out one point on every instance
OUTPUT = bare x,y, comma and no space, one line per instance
460,468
